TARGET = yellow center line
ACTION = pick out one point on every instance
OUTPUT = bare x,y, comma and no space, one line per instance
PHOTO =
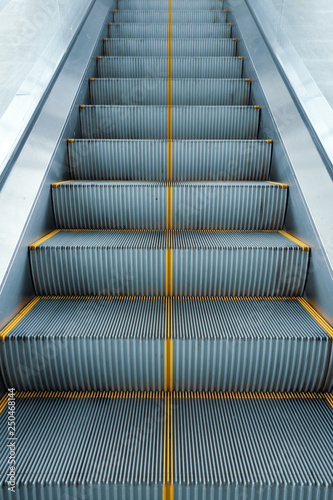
168,348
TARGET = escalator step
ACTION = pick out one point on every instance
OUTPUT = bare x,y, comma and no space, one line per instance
90,447
205,263
237,263
164,4
213,92
192,16
188,122
252,448
161,30
250,345
128,445
157,67
191,160
143,205
85,343
220,47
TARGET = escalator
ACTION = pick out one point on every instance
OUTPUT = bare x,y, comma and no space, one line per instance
168,352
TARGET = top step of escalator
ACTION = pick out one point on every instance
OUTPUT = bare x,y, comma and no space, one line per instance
165,5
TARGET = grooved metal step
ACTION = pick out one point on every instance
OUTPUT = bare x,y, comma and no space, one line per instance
157,5
252,448
221,47
249,345
134,263
89,447
208,263
97,344
143,205
128,445
188,122
157,67
193,16
192,160
161,30
213,92
119,344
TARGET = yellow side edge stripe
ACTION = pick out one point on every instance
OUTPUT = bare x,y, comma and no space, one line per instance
300,243
19,316
329,399
33,246
3,402
326,326
283,186
56,184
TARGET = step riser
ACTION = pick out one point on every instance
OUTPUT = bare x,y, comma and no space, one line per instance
182,67
145,207
85,364
131,122
155,92
162,16
199,273
162,31
140,47
198,365
191,160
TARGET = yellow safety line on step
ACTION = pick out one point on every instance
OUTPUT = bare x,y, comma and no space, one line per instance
298,242
168,449
33,246
283,186
168,348
326,326
3,402
168,399
329,399
15,321
56,184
